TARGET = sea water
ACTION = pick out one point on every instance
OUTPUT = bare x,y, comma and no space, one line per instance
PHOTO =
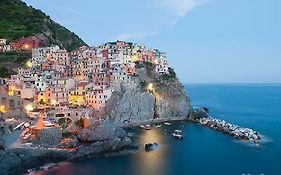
203,151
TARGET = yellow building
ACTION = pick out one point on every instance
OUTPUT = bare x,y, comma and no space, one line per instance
77,99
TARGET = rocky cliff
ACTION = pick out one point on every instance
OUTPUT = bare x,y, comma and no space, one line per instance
152,97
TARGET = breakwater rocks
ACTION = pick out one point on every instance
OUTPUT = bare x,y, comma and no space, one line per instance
230,129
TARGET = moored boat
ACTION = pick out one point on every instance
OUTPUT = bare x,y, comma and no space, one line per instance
158,126
178,134
167,123
147,127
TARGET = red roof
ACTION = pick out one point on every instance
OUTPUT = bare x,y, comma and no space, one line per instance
83,84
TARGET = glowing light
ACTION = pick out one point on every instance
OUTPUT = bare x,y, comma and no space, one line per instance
28,64
42,101
150,87
26,46
29,108
76,99
11,91
3,109
53,102
135,58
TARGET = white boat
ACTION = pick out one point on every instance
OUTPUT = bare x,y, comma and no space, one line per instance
147,127
167,123
158,126
10,120
19,126
26,136
48,124
178,134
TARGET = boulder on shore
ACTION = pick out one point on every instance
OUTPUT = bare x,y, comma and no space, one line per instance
18,160
48,137
68,143
199,112
104,138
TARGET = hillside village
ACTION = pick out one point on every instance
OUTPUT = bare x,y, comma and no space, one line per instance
62,85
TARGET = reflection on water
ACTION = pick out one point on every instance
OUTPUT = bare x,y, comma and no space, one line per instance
63,168
153,161
11,140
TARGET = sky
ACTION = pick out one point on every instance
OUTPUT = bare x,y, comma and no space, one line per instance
207,41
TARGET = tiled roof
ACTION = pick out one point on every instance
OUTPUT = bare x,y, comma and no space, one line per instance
83,84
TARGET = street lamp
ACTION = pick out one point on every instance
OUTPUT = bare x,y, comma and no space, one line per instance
150,87
29,64
3,109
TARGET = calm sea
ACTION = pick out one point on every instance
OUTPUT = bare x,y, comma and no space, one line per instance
204,151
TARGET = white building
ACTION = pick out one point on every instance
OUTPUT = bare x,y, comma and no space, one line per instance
162,66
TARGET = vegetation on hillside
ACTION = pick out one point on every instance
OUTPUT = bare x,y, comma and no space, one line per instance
13,56
12,60
18,20
4,72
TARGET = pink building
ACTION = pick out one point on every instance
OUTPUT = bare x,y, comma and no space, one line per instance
56,95
97,98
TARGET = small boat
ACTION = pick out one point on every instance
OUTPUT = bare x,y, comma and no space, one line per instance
142,126
147,127
167,123
26,136
158,126
26,125
19,126
178,134
49,124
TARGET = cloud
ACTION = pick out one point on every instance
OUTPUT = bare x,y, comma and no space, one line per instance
129,20
163,15
179,8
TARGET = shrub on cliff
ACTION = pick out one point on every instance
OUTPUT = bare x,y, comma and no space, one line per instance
139,65
172,75
143,85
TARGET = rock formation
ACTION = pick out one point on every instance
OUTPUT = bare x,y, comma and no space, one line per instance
106,137
18,160
135,103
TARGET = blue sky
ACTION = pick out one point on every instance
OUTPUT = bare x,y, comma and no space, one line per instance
207,41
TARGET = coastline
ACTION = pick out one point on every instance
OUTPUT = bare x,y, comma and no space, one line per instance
41,156
152,121
23,159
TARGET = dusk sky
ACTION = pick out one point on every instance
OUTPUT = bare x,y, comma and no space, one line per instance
207,41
